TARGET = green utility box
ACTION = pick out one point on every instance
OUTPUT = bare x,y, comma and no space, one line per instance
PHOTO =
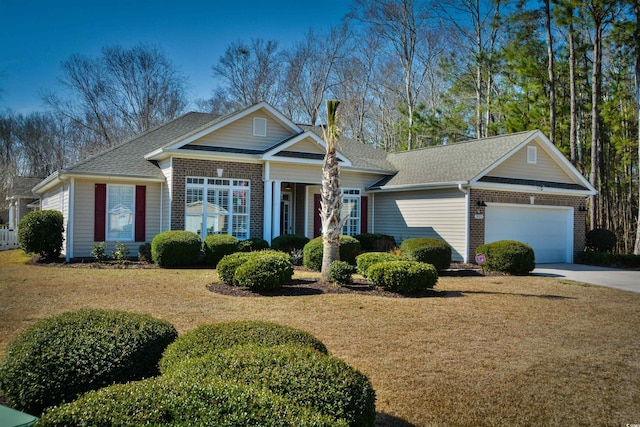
12,418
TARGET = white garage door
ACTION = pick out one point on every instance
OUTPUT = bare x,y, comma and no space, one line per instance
549,230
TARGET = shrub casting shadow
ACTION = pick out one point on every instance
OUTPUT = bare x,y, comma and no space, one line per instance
387,420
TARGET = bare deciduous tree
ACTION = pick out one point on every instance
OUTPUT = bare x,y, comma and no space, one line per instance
119,94
251,74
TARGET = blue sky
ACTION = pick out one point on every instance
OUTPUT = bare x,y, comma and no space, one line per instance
36,35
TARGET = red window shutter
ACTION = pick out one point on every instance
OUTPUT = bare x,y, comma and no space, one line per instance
364,214
100,213
141,209
317,223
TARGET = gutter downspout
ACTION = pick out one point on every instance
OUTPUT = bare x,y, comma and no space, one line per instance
467,201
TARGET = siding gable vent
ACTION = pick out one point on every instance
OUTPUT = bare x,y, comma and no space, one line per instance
532,155
259,126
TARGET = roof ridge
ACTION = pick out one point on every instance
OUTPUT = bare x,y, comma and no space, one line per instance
468,141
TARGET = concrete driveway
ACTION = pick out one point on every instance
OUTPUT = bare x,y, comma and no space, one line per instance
610,277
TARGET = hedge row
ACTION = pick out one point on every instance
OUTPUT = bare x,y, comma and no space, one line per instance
59,358
240,373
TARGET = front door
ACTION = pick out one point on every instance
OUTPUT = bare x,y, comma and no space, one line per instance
286,213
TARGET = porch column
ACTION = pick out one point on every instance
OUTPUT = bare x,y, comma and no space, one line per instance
277,195
268,210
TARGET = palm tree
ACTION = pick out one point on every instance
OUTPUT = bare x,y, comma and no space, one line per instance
331,196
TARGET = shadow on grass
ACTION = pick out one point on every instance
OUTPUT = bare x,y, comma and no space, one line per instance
386,420
543,296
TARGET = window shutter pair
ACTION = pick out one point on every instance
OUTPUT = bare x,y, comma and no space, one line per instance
364,215
100,214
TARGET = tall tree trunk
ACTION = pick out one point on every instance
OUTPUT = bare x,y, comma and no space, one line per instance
595,121
573,128
552,85
636,8
331,196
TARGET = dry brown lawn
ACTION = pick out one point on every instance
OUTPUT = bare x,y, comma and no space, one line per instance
482,351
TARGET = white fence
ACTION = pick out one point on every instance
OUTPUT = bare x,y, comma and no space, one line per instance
8,238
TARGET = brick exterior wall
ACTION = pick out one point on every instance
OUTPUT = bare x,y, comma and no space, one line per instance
476,226
209,169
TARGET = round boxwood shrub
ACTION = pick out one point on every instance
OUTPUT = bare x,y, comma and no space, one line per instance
402,276
340,272
429,250
264,270
144,253
300,374
41,233
312,252
229,264
176,248
367,259
376,242
253,245
216,246
600,239
58,358
166,402
508,256
213,338
289,242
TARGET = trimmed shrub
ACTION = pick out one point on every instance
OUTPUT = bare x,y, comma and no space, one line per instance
176,248
312,252
376,242
508,256
429,250
165,402
340,272
289,242
99,251
229,264
402,276
367,259
607,259
41,233
253,245
299,374
144,253
600,239
214,338
59,358
216,246
264,270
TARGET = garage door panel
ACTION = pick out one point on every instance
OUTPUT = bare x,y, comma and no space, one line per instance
548,230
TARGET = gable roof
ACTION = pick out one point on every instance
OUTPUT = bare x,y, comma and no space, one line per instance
21,187
467,163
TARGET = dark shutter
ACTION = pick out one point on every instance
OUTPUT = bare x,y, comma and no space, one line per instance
364,214
317,223
141,208
100,213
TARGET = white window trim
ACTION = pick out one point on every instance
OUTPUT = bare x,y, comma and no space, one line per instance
133,214
532,155
231,188
353,193
259,124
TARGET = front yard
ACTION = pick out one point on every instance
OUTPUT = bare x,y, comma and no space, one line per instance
492,350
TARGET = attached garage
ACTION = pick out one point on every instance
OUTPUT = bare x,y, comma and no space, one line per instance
548,229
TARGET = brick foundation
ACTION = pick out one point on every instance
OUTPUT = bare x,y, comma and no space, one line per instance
209,169
541,199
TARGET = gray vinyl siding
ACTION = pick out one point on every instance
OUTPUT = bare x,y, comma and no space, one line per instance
437,213
545,169
84,217
239,134
307,145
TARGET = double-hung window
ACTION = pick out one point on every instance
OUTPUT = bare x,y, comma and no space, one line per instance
120,212
351,209
217,206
